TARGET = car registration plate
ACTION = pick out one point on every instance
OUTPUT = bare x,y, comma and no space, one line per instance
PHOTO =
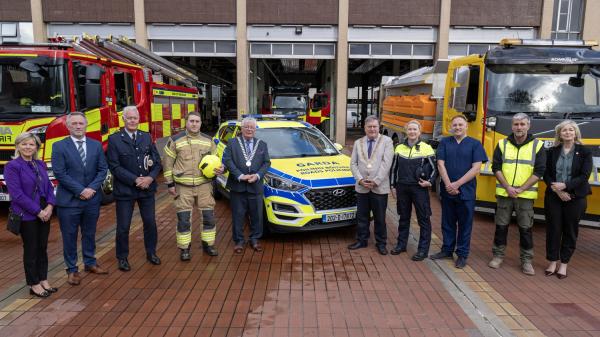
339,216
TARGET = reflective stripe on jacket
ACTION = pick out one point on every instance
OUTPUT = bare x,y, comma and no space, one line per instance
183,154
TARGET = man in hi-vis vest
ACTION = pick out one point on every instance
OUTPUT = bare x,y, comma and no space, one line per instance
519,162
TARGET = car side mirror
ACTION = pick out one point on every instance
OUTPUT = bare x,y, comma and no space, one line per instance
338,146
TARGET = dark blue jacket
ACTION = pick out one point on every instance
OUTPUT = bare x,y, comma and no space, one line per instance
128,161
73,177
233,158
21,179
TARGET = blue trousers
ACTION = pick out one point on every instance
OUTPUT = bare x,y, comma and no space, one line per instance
124,214
457,223
71,220
242,204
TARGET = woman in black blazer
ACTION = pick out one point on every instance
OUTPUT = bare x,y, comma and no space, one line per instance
568,168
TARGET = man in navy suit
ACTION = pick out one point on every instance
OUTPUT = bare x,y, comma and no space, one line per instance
80,167
134,163
247,159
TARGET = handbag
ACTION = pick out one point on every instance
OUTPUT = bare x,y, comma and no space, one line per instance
13,223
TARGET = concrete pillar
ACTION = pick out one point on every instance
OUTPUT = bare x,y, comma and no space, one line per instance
341,73
40,33
139,15
441,50
242,58
547,13
591,24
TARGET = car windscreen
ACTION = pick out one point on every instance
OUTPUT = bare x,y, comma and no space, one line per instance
296,142
27,88
543,88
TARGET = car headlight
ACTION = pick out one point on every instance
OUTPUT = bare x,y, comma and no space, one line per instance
281,184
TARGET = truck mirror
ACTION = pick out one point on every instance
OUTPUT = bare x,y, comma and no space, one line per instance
576,82
93,72
93,95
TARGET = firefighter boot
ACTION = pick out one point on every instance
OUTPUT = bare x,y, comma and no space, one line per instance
185,254
209,249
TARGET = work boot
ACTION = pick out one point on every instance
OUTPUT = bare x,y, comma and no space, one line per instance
209,249
527,268
185,254
496,262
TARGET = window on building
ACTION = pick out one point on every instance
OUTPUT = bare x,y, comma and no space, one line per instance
567,20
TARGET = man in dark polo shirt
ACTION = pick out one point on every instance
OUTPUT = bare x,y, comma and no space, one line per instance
459,162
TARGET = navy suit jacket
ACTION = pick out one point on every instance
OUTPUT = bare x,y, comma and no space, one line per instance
73,177
234,160
127,161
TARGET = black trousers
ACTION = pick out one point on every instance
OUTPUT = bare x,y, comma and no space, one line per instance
124,214
367,203
407,196
562,226
35,244
243,203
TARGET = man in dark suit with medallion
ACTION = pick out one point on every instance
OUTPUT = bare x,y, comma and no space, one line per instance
247,159
134,163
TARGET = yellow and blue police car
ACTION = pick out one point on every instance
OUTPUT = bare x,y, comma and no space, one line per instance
309,185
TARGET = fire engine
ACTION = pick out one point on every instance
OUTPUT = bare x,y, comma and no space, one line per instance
549,80
40,84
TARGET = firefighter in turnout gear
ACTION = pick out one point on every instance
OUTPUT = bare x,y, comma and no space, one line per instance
188,185
519,162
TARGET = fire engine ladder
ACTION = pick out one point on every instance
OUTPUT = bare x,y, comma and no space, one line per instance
150,60
126,51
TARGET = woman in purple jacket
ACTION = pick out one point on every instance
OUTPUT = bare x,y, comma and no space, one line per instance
32,197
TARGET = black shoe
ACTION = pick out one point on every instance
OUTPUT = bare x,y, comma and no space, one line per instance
357,245
152,258
419,256
51,290
461,262
124,265
382,250
185,255
441,255
397,250
210,250
43,294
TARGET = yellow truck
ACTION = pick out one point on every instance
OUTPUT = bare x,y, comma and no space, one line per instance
549,80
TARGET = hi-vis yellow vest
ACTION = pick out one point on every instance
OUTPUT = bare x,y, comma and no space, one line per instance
518,165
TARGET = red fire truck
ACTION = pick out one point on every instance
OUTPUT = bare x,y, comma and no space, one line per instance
40,84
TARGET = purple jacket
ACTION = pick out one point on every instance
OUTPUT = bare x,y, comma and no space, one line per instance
20,180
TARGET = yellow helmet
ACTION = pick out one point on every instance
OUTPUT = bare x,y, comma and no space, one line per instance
208,164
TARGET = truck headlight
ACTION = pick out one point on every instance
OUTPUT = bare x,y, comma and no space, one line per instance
490,122
40,132
281,184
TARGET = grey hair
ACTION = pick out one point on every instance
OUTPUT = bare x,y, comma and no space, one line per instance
521,116
371,118
76,113
247,120
130,108
23,137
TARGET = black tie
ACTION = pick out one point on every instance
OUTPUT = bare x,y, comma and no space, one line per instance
370,149
133,137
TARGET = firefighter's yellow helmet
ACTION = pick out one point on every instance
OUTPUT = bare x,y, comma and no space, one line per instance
208,164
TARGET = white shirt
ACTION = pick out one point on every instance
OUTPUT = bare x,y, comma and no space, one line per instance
75,141
130,133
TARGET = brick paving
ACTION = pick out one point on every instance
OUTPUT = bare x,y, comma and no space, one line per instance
302,285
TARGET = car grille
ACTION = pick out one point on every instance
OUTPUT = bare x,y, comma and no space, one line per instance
326,199
318,223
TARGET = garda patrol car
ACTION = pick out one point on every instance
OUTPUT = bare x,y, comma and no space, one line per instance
309,185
